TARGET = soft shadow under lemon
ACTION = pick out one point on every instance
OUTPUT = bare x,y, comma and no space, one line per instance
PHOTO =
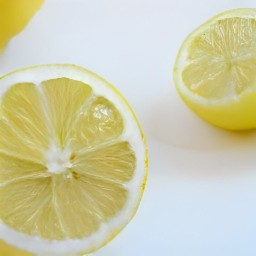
191,148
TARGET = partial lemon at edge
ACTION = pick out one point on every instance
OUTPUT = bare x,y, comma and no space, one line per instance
73,161
14,16
215,70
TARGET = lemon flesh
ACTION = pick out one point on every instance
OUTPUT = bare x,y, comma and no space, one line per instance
65,164
215,70
14,16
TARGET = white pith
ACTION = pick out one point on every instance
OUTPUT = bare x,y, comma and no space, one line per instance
57,161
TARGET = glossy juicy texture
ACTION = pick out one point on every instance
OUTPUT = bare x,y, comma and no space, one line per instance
63,163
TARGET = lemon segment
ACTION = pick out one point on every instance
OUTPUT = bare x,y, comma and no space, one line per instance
19,199
14,16
106,125
114,162
215,70
14,169
93,200
64,98
23,111
13,144
72,161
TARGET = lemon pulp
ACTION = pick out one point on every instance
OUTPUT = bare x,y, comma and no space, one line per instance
65,165
222,60
214,70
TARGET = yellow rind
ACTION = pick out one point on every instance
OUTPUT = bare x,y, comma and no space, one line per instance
238,115
8,250
14,16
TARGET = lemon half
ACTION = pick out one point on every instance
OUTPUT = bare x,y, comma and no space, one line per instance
215,70
73,161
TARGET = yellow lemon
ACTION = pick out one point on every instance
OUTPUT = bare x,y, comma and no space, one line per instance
73,161
215,70
14,16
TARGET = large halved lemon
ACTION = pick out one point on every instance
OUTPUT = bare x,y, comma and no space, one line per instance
215,70
73,161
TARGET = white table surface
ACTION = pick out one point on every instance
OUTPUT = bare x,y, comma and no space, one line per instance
200,198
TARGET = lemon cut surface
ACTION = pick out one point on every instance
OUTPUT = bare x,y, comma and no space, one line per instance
73,161
215,70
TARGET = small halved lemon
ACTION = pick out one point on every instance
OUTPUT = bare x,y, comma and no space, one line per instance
73,161
215,70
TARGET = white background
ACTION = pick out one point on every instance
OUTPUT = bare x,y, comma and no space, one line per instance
201,194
